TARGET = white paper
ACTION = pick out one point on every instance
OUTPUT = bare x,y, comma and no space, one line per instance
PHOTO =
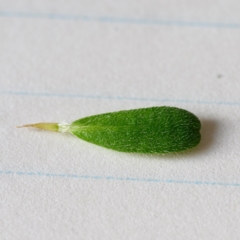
60,61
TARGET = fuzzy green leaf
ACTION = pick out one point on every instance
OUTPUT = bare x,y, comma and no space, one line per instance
146,130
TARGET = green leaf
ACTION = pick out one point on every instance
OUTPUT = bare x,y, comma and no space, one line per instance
146,130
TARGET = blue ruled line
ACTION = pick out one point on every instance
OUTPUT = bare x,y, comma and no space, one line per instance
108,19
112,178
120,98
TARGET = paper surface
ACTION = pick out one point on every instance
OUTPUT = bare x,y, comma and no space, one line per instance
60,61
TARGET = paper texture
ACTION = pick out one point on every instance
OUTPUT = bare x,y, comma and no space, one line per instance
63,60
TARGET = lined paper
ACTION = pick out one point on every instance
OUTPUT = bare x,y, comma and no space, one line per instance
60,61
